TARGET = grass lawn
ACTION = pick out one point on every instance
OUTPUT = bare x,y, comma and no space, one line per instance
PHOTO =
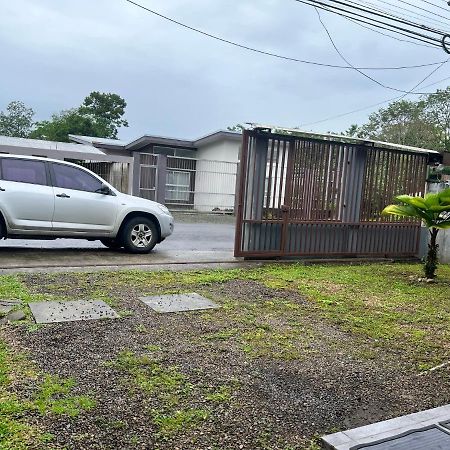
293,353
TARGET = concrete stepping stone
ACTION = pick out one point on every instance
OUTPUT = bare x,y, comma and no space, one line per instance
178,302
7,305
71,311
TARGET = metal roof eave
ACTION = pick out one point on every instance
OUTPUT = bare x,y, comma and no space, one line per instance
343,139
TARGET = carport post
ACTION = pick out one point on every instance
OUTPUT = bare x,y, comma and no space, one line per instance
161,178
136,174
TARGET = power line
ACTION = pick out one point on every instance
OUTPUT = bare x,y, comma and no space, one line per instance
402,8
360,71
392,37
423,9
391,12
438,44
434,4
358,16
394,16
338,116
398,19
263,52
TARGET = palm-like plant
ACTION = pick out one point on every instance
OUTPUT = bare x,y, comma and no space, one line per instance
434,211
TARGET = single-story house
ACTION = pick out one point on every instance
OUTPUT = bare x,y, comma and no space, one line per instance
195,174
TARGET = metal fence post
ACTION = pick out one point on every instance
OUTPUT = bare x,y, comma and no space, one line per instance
161,178
136,171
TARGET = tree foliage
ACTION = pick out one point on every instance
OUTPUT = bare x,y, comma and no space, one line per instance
434,211
17,120
423,123
68,122
106,110
100,115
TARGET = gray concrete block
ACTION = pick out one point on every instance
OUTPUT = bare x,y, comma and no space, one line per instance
367,434
7,305
71,311
178,302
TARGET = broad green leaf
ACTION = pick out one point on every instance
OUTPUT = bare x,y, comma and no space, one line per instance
401,210
443,225
431,199
444,194
417,202
440,208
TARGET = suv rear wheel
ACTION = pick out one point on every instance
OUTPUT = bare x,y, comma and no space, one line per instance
139,235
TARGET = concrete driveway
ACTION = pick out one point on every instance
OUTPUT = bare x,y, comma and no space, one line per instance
196,239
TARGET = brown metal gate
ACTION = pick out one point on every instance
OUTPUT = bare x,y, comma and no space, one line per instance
306,196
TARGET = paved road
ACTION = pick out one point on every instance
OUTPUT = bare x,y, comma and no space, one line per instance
186,237
204,241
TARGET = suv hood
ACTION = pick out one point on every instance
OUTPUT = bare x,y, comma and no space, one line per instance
139,202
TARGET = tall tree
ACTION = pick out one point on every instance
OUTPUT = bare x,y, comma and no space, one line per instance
402,122
68,122
17,120
107,110
437,112
422,123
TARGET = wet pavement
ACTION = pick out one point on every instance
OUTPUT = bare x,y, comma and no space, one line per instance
207,241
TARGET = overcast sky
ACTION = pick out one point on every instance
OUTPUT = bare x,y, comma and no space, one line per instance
180,84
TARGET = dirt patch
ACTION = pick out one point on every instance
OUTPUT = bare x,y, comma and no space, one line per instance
263,372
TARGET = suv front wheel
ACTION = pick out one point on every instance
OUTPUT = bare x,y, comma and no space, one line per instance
139,235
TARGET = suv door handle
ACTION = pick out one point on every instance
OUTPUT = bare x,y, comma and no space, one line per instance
63,195
3,190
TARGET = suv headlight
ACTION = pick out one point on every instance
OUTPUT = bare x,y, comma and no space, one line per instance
164,209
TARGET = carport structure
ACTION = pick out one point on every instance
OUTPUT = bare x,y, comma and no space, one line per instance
115,169
308,194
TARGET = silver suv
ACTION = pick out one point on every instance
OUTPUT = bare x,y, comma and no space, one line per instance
43,198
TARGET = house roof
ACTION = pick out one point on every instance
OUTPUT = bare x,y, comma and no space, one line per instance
343,139
148,139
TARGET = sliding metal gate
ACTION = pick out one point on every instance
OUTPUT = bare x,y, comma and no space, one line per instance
302,196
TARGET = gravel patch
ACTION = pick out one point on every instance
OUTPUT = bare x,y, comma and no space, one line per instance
273,403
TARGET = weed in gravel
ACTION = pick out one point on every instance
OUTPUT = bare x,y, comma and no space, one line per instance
176,398
270,329
52,397
141,328
221,395
180,420
167,383
153,348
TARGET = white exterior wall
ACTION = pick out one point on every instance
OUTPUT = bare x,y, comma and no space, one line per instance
215,178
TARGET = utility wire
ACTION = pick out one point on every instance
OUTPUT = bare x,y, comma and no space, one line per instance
422,9
402,8
358,16
434,4
358,70
263,52
395,15
364,108
398,19
392,37
437,45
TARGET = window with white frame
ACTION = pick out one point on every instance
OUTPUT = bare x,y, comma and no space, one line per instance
178,186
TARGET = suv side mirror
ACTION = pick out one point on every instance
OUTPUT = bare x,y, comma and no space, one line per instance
105,190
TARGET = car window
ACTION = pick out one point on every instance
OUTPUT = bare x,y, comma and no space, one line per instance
24,171
72,178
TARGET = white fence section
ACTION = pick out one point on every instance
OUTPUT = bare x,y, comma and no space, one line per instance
215,186
188,183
